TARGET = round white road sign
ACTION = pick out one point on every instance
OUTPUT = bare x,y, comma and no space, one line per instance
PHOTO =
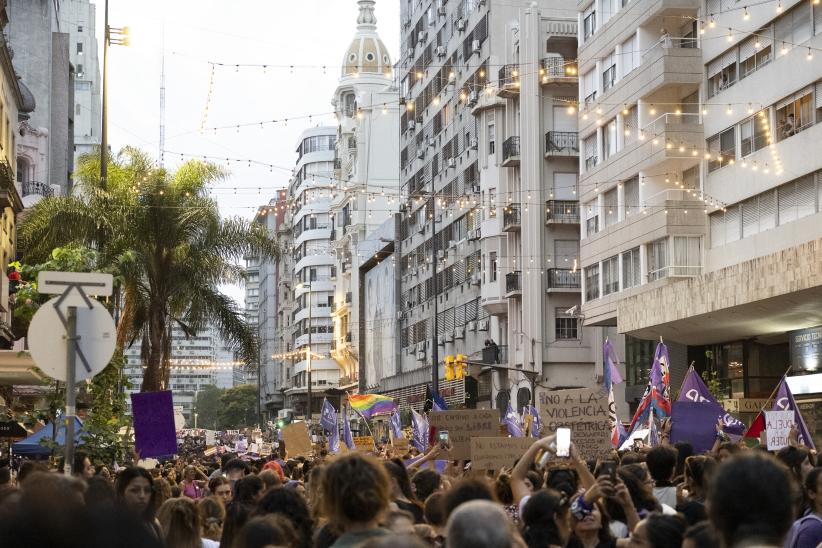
49,347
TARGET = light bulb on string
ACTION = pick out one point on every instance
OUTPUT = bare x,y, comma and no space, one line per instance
784,49
810,55
711,22
730,35
779,7
746,15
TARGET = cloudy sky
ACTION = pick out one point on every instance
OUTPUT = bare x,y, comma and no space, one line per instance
305,35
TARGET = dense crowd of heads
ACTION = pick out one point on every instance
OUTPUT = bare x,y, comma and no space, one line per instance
665,497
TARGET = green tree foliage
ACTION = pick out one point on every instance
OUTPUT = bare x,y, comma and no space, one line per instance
107,426
208,407
238,407
163,234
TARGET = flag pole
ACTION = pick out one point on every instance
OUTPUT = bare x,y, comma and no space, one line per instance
363,418
773,393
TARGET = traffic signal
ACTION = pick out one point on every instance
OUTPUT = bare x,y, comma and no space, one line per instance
450,371
461,367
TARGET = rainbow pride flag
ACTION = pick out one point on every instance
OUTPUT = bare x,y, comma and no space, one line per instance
369,405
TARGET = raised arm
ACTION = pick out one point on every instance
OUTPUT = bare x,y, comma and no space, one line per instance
518,487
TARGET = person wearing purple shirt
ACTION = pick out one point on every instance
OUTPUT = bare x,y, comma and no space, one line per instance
806,532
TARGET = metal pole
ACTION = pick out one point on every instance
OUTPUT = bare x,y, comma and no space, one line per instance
308,363
435,354
104,129
71,373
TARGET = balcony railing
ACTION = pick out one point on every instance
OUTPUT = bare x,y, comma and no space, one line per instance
561,143
495,355
36,187
558,67
509,76
562,211
563,278
352,143
511,218
510,151
337,163
513,282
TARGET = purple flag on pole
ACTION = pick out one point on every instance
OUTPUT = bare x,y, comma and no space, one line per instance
396,426
694,389
154,432
334,439
347,437
784,402
609,362
420,426
328,416
512,423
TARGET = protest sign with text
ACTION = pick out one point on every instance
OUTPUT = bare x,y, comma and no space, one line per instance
364,443
297,441
585,412
496,453
464,424
777,428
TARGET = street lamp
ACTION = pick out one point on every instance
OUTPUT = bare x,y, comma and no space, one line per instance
117,36
308,349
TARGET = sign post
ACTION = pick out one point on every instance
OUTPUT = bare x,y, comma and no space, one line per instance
56,324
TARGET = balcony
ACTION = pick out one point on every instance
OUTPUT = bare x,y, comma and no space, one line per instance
561,143
495,355
562,212
511,218
352,143
513,284
509,81
510,151
563,279
337,163
559,70
37,188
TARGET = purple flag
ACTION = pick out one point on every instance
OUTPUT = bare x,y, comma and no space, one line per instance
334,439
784,402
396,426
420,426
347,437
154,432
328,416
512,423
609,363
694,390
536,423
695,423
659,377
437,402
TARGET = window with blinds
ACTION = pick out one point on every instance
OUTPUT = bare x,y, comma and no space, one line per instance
687,259
591,218
565,186
722,148
754,133
610,275
794,113
630,55
610,207
755,52
717,229
631,196
817,18
592,282
630,124
658,259
608,72
722,72
631,271
732,227
589,86
609,139
797,199
590,145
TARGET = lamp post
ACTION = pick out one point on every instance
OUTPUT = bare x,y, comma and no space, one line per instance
117,36
308,350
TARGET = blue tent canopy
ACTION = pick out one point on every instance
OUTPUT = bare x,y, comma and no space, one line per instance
31,447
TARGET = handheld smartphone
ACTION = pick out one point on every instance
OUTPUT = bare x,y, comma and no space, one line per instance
444,438
563,442
608,469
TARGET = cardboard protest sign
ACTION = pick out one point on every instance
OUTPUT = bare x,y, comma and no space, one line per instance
694,423
155,434
296,438
495,453
265,449
400,444
364,443
777,428
464,424
585,412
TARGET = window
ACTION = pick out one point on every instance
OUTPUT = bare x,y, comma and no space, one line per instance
793,28
658,259
755,52
590,145
567,326
565,253
80,70
630,126
609,140
79,28
592,282
493,265
794,114
722,149
796,199
722,72
631,196
492,134
630,55
631,268
79,48
687,256
77,109
610,275
753,133
589,87
312,275
608,72
610,207
591,218
565,186
589,22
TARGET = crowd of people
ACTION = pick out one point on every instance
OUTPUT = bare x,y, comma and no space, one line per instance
660,497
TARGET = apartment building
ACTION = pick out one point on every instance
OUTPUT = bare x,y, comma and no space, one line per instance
699,186
365,188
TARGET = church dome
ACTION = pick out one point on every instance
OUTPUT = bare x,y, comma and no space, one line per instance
367,53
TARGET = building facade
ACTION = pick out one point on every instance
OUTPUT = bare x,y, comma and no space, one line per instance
699,188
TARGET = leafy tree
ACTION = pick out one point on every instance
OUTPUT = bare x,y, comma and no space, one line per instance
107,426
163,234
238,407
208,407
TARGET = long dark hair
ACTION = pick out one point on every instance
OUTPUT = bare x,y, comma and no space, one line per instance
126,476
604,533
634,476
292,506
540,528
396,470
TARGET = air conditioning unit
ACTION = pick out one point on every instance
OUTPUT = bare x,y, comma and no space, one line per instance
412,124
472,326
460,24
432,142
452,162
421,356
440,51
420,153
421,346
449,336
414,272
473,97
422,36
459,333
452,244
482,325
473,235
440,254
475,188
476,46
473,144
441,340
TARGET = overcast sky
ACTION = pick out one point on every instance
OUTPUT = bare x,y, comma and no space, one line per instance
271,32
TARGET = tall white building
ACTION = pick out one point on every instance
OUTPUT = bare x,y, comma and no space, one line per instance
701,183
79,21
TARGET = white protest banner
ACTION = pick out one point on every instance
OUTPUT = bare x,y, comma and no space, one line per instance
585,412
777,428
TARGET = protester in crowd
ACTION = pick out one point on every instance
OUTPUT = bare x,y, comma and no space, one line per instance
401,493
505,496
224,460
162,491
194,482
661,463
133,491
479,524
545,519
659,531
220,487
425,482
292,506
590,522
266,531
99,493
700,535
434,511
399,522
640,487
237,513
533,481
235,470
29,467
683,451
617,504
270,479
180,522
726,450
465,490
249,490
356,494
82,467
691,495
212,516
806,531
749,501
170,475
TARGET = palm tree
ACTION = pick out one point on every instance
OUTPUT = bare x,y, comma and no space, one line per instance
163,235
